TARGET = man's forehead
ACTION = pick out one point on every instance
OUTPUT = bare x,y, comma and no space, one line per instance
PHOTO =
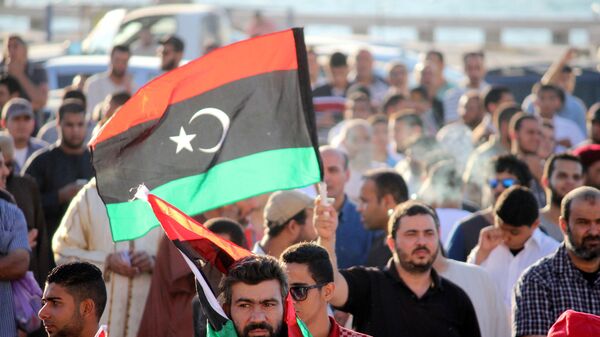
298,273
55,291
417,221
265,290
585,206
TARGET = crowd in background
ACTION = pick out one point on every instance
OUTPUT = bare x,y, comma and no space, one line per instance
494,173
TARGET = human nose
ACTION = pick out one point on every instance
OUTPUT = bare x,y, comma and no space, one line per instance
43,314
258,315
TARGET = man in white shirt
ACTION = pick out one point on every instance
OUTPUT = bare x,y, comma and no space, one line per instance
115,79
549,100
514,243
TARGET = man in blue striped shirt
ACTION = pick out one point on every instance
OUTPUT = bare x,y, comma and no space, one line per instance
14,261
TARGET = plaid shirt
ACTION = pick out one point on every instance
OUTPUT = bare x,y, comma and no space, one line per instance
547,289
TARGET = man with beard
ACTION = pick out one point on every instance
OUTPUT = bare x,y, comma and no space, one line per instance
170,52
115,79
407,297
254,293
73,300
61,169
567,279
562,174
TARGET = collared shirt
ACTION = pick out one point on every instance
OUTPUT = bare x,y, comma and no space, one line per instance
383,305
547,289
13,236
506,268
353,241
339,331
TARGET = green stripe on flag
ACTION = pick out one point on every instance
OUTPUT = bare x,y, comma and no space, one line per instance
228,330
223,184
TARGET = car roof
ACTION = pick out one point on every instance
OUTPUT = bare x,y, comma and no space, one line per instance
180,9
150,62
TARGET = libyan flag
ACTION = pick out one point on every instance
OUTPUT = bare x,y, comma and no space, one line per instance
233,124
195,243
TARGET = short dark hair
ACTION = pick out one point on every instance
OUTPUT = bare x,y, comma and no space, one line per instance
120,98
505,113
314,256
435,53
421,90
388,182
82,280
254,269
513,165
337,60
467,55
275,228
553,88
517,207
75,93
391,100
11,84
582,192
494,95
518,119
173,41
70,105
551,162
411,119
227,226
120,48
410,208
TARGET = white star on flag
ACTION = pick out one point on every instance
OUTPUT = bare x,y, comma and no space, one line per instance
183,140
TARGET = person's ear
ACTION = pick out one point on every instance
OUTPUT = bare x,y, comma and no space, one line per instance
391,244
328,291
535,225
87,308
562,222
388,201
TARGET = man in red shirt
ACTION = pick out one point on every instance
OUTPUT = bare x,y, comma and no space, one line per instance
310,280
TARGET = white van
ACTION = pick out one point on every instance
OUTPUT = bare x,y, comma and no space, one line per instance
197,25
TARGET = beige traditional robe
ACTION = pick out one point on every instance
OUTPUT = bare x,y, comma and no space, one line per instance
84,235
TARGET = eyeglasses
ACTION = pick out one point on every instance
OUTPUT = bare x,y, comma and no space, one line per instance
299,293
506,183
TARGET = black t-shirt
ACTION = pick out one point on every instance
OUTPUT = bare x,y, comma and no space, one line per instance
383,305
590,277
53,169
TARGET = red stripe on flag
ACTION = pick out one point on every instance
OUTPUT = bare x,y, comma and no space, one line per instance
178,226
263,54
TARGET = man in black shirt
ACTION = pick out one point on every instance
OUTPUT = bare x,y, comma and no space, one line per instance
407,297
63,168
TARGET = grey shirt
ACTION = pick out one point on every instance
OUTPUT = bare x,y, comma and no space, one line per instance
551,229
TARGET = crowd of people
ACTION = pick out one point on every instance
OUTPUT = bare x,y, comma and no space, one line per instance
451,210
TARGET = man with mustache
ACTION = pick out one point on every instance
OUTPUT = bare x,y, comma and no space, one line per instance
567,279
254,291
115,79
407,297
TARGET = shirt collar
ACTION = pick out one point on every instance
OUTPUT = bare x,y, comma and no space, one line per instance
391,271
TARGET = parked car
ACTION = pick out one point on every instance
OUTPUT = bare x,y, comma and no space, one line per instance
197,25
61,71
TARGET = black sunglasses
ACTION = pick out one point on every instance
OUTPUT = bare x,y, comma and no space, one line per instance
299,293
506,183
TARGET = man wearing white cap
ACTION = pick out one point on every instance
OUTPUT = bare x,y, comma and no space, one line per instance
18,119
288,220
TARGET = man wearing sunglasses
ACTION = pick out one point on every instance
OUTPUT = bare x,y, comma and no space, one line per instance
508,171
407,297
514,242
310,280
